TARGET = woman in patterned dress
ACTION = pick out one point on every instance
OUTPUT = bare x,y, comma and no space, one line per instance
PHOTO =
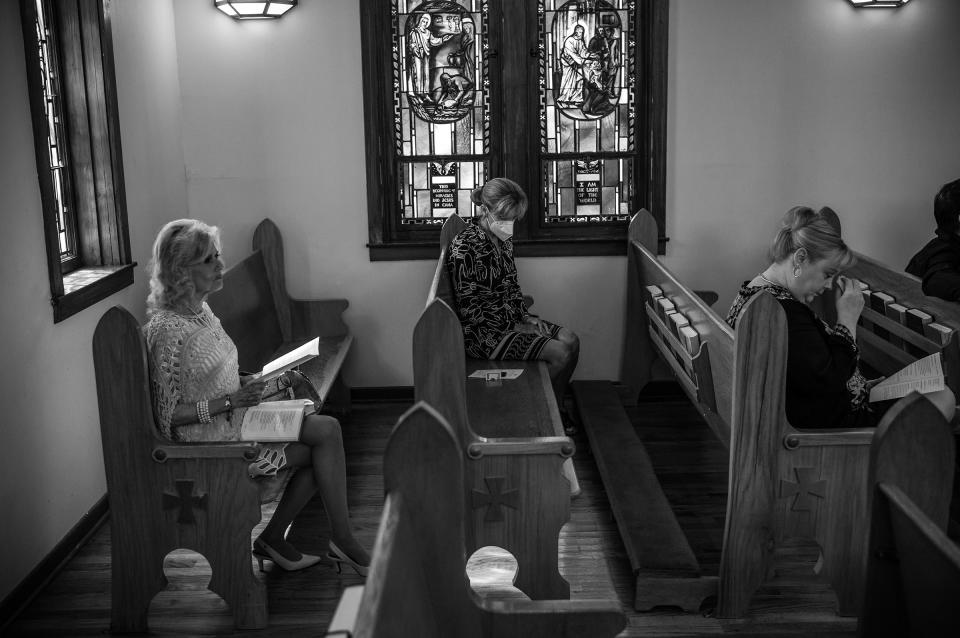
199,394
496,324
824,387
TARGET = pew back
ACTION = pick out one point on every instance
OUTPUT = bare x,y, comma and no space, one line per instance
417,585
913,569
700,357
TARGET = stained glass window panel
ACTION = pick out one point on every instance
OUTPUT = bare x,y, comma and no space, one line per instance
432,191
587,191
441,95
587,76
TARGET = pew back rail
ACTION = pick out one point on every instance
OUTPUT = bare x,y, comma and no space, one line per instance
264,321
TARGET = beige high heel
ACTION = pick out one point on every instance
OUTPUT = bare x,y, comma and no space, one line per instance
340,558
262,551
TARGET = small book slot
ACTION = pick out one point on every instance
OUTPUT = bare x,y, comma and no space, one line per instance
903,332
682,375
688,368
674,345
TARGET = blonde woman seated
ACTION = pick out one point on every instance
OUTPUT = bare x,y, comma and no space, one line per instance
199,395
824,387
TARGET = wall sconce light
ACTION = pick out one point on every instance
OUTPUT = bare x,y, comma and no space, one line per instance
878,4
254,9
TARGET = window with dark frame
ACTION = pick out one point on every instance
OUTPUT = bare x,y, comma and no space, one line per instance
69,56
566,97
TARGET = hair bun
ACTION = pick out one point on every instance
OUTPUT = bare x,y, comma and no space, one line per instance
798,218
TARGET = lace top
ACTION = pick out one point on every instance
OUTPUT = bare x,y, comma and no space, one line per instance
192,359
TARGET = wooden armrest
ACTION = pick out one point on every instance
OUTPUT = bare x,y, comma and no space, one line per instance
509,446
318,318
241,450
582,618
846,436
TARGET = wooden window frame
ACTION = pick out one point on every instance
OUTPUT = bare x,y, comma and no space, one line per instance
532,237
84,60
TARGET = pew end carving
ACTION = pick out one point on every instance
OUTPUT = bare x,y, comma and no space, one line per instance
417,585
517,459
163,495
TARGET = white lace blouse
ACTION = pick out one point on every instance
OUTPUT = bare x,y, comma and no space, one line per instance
193,359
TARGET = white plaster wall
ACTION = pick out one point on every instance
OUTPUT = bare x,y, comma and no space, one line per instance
273,126
774,103
52,468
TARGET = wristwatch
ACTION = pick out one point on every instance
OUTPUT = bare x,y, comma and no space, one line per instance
227,404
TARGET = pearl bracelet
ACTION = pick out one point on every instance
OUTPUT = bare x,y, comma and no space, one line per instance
203,411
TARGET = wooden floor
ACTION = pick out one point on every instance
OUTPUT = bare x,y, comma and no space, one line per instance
690,462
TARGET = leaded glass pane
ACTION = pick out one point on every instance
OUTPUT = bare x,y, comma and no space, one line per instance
440,84
441,106
587,191
587,108
432,191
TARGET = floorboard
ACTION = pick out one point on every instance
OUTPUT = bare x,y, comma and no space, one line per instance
691,463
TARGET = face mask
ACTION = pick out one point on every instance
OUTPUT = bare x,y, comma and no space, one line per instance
502,229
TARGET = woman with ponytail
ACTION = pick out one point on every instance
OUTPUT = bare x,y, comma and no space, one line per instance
825,388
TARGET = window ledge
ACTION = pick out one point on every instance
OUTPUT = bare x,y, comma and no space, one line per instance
522,248
86,286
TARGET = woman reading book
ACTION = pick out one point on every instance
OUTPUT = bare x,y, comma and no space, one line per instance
199,395
824,387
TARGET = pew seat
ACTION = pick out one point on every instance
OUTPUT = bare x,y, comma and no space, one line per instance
417,584
265,322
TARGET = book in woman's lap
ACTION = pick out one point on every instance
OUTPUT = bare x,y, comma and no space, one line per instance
275,421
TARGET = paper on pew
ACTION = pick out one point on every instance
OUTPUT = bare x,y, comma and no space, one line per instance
510,373
923,375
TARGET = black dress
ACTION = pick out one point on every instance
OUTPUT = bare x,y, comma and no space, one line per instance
825,388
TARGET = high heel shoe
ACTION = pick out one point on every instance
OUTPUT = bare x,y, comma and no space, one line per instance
340,558
262,551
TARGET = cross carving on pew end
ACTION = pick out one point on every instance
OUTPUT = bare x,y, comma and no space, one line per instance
495,498
185,500
806,487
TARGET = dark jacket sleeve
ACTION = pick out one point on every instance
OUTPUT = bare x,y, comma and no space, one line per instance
818,367
938,266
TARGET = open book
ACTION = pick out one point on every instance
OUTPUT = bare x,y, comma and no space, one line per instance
275,420
923,375
290,360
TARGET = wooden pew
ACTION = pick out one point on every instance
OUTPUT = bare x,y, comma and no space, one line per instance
265,322
417,584
913,569
165,495
511,437
784,482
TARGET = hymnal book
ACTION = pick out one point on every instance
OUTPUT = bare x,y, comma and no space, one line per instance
937,332
897,312
917,319
678,321
290,360
665,308
923,375
879,302
690,339
653,293
345,615
275,420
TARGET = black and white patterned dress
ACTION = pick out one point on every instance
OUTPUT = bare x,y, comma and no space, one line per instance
489,300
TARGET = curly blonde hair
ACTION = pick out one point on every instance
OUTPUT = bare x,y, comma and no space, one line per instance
179,244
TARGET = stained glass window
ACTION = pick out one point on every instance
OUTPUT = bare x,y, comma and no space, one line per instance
56,137
441,106
587,109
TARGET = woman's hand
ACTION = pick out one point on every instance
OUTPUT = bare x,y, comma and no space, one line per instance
849,301
532,325
248,395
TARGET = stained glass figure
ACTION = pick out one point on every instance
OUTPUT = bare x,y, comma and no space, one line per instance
441,106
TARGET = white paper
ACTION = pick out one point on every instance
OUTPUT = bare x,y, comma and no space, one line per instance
292,359
503,374
923,375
